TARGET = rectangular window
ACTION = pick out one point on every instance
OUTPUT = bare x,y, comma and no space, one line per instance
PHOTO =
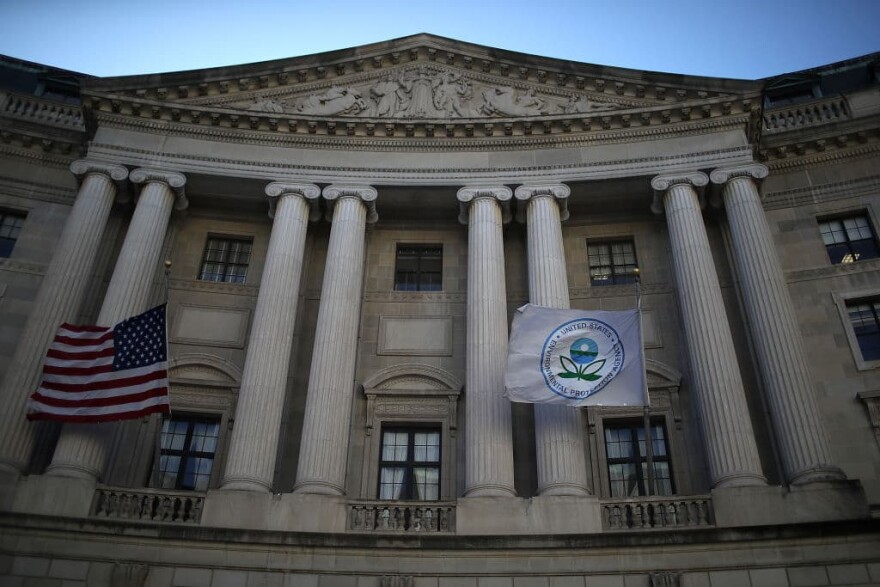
189,445
612,262
864,316
10,227
226,259
628,460
419,268
849,239
409,466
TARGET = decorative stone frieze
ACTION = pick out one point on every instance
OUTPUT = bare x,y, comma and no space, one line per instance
58,300
251,460
719,395
488,432
803,444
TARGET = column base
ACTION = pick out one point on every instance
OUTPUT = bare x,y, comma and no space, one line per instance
490,491
563,490
769,505
318,487
741,480
816,474
245,484
71,472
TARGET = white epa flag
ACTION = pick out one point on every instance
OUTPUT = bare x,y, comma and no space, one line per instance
576,358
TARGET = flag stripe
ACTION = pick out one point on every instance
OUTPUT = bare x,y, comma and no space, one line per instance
97,374
100,401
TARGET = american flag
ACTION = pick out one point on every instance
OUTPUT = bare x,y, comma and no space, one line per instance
98,374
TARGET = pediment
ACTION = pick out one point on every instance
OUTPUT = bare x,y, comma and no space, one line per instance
418,78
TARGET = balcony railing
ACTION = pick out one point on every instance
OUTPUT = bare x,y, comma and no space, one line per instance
37,110
657,512
808,114
402,516
153,505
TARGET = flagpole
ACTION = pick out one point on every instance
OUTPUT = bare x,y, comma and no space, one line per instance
161,418
646,414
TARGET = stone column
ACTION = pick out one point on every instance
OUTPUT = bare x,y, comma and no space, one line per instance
325,432
254,444
83,448
58,301
559,431
488,429
804,446
718,389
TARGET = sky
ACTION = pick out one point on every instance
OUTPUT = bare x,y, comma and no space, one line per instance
746,39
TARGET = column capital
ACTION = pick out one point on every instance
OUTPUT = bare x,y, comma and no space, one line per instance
364,193
83,167
559,192
307,191
754,171
466,195
661,183
175,181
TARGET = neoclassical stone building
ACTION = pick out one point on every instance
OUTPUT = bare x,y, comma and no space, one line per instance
344,238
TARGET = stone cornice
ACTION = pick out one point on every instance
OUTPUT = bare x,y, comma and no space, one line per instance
244,126
33,190
308,191
175,181
364,193
855,188
450,176
33,155
559,192
869,266
660,184
823,157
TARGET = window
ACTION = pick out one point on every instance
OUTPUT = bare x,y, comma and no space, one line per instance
864,315
189,445
410,464
226,259
10,227
628,460
849,239
419,268
612,263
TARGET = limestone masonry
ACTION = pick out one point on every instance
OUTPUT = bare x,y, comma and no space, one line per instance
343,239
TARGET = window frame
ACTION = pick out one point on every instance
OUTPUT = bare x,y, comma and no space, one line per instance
634,426
841,217
842,300
408,493
419,286
186,453
12,213
614,275
225,263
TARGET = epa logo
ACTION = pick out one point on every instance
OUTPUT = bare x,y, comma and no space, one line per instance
580,357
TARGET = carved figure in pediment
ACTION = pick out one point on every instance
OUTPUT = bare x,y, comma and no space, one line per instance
336,100
505,102
269,105
386,95
579,104
451,90
417,94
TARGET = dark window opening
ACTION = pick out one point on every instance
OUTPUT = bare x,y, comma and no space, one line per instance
628,460
864,316
409,465
10,228
419,268
189,445
612,262
849,239
226,259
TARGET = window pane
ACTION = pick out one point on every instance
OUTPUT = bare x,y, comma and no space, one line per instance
225,260
612,262
391,482
418,268
624,482
849,239
865,321
394,445
427,481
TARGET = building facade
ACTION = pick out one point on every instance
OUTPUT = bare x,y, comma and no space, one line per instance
343,239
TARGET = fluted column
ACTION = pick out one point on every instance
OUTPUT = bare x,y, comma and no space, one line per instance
58,300
718,389
254,445
803,443
488,431
83,448
327,417
559,432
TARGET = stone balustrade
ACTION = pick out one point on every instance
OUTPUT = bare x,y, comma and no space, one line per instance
808,114
31,108
152,505
402,516
646,513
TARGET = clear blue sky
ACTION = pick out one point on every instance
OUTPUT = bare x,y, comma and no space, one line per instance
739,38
